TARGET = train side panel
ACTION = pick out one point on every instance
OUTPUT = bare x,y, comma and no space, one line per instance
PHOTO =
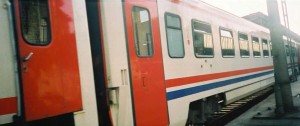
8,70
88,116
203,77
114,38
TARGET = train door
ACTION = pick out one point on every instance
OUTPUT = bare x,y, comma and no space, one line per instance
146,66
48,58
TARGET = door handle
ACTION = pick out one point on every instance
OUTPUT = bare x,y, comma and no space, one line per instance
144,79
25,59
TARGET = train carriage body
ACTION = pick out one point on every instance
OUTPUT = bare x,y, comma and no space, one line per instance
44,78
201,76
126,62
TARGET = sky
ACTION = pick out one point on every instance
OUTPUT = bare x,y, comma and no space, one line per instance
245,7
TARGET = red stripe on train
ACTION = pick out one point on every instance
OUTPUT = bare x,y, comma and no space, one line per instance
201,78
8,105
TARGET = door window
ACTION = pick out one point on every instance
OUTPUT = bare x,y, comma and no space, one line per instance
142,32
35,22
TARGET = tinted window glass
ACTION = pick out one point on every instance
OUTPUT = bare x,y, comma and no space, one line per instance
173,21
244,45
256,47
142,32
287,50
203,42
35,22
265,48
174,36
294,52
227,43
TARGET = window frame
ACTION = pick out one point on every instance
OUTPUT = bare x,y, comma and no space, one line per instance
220,36
193,33
242,56
49,30
271,48
166,27
252,36
287,50
268,47
151,32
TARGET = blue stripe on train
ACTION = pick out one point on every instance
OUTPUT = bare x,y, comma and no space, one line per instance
193,90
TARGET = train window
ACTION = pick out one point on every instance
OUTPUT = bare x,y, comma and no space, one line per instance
203,41
244,45
227,43
142,32
287,50
271,48
174,36
293,51
255,47
35,22
290,50
265,48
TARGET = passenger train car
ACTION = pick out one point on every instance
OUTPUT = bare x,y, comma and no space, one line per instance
292,51
125,62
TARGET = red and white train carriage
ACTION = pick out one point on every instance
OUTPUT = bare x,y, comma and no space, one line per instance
125,62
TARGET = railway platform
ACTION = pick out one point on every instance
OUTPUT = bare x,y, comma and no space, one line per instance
263,113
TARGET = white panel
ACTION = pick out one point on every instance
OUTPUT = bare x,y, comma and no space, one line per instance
242,92
115,40
7,71
178,116
116,61
6,118
87,117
